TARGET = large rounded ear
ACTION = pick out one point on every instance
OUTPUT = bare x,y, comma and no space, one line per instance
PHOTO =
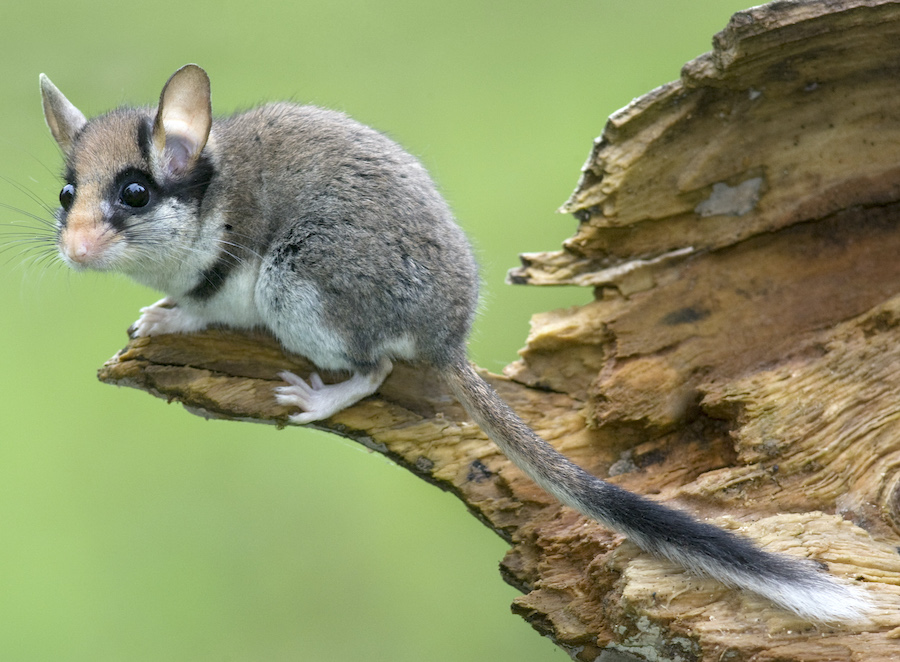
64,119
183,119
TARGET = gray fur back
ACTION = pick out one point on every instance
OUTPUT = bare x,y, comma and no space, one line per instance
351,216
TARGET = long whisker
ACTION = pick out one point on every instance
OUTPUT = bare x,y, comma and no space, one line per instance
52,172
29,249
40,219
138,225
30,239
225,242
26,239
31,194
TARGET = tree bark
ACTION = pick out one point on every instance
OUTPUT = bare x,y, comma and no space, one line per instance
741,230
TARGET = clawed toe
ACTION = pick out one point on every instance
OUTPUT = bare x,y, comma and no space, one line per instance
298,388
319,400
303,393
303,418
164,317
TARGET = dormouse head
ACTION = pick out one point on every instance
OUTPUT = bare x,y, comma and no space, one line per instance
134,177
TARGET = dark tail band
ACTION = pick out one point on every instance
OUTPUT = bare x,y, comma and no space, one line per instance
703,549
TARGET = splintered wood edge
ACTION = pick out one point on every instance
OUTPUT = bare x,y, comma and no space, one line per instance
757,135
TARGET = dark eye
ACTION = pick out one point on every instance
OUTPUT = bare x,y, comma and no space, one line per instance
67,196
135,195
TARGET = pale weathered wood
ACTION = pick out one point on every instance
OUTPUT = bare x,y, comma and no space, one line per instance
741,228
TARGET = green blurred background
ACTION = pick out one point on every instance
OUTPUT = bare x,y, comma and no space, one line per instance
132,530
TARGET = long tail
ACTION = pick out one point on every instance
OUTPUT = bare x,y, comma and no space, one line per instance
793,584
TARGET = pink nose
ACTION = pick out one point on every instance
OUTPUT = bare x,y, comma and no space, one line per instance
79,252
84,245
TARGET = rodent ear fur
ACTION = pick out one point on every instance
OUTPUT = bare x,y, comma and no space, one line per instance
64,119
183,120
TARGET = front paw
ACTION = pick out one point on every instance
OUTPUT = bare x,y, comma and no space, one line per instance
163,317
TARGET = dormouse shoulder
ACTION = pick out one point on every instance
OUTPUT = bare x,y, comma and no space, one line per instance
320,142
292,117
